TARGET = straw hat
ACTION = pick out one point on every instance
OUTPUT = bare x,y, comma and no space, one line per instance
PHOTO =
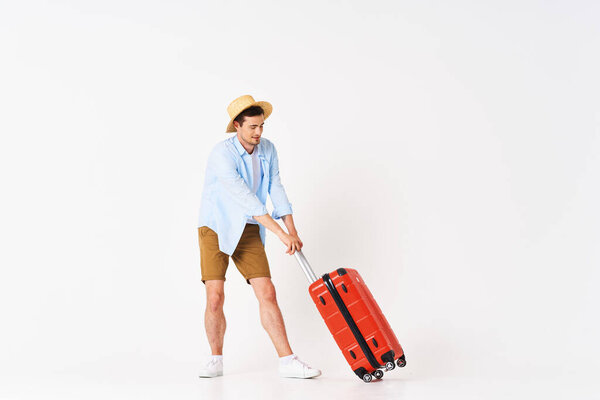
240,104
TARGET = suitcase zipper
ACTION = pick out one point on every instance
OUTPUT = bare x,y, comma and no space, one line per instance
350,321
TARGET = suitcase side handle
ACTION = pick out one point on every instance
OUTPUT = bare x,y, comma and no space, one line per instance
310,274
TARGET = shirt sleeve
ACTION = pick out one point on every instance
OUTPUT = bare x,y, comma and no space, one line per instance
234,186
279,198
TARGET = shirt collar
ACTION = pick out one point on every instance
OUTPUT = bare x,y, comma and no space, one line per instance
241,150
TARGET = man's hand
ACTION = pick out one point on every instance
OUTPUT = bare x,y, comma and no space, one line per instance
292,242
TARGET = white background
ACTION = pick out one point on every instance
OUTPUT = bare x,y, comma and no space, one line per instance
450,151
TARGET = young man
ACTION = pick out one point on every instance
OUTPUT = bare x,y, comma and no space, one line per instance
240,173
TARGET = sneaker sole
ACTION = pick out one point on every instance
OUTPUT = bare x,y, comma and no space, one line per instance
300,377
211,376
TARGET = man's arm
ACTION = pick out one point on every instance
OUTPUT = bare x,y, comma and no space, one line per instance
291,240
279,198
288,220
282,209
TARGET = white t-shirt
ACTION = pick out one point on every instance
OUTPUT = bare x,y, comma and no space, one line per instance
256,177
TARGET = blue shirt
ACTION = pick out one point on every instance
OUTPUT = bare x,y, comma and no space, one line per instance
228,201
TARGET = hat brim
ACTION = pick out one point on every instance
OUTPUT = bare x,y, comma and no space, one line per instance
266,106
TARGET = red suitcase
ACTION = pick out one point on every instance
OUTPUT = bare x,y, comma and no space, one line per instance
355,321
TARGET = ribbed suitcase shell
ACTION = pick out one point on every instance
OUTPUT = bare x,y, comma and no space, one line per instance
367,315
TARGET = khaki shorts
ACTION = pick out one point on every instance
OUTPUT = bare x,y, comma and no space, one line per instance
249,256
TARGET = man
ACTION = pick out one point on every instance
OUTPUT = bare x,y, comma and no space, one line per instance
240,172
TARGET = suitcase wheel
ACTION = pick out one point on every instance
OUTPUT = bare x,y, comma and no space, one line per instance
378,374
367,378
401,361
389,366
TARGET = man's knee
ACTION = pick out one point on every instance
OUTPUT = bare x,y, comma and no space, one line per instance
214,301
265,291
215,298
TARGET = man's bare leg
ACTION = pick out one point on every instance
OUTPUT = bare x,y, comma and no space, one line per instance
214,318
270,314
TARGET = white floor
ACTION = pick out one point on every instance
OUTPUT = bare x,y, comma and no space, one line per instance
265,384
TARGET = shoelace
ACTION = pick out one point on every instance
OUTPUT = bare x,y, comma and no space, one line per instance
305,365
212,362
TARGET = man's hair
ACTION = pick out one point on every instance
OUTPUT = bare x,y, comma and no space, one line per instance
249,112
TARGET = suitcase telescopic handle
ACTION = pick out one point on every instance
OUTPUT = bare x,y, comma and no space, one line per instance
310,274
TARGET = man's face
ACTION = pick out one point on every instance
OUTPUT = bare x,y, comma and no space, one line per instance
252,129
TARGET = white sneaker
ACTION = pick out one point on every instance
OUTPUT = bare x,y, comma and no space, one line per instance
295,368
213,368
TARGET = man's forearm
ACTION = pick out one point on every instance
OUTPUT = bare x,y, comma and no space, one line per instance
268,222
289,224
